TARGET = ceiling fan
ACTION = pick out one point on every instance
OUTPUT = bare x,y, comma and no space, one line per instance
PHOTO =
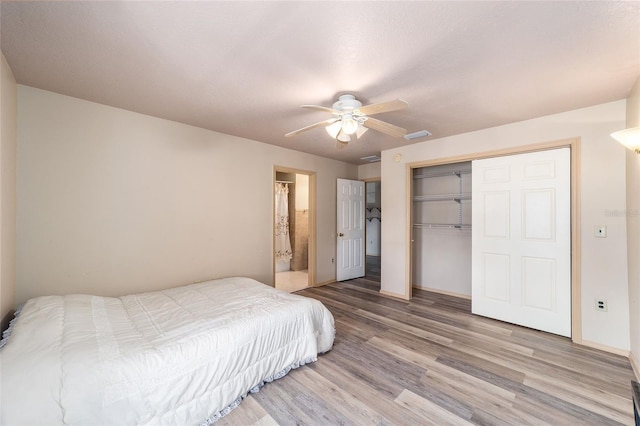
349,117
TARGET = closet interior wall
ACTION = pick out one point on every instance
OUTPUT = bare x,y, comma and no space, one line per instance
441,227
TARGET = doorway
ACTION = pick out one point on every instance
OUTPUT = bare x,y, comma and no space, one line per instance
373,225
294,229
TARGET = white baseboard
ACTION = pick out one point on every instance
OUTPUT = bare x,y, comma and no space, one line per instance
391,294
448,293
605,348
324,283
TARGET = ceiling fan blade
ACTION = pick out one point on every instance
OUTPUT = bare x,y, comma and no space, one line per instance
312,126
321,108
381,107
384,127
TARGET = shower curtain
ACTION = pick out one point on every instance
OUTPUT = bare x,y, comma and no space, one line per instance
283,243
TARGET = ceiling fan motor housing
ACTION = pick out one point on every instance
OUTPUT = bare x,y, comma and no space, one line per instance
347,103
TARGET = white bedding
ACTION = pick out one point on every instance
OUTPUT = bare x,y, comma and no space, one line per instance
178,356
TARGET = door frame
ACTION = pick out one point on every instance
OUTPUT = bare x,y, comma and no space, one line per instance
311,250
574,147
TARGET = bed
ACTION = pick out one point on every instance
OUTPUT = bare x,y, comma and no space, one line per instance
186,355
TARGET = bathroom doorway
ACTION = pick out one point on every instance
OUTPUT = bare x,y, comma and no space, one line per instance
294,229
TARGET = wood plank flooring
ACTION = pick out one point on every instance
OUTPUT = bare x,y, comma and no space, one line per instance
430,362
372,268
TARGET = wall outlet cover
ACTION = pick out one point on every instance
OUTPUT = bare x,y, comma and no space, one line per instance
601,305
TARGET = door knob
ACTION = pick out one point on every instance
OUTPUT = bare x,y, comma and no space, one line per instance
341,235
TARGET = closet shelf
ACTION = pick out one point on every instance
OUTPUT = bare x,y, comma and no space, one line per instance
442,174
443,226
457,197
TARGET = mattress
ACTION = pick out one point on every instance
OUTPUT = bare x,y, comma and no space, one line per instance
180,356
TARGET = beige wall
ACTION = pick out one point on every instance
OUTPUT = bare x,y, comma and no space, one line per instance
302,192
113,202
633,226
369,171
602,180
8,138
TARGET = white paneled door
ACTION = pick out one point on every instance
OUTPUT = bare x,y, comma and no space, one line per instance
350,233
521,240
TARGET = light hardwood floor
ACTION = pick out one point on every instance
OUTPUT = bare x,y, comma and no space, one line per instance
429,361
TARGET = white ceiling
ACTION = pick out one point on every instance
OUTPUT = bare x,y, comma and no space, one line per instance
244,68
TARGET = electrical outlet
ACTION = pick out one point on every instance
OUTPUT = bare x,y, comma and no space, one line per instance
600,231
601,305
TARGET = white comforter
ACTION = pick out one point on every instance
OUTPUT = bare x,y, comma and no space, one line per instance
178,356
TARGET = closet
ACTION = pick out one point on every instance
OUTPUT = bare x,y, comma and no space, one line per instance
441,228
518,268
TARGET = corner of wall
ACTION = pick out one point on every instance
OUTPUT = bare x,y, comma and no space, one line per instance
8,149
635,365
633,230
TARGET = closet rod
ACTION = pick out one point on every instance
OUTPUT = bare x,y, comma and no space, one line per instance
284,181
442,174
442,226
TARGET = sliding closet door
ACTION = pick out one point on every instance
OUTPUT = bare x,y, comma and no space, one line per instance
521,258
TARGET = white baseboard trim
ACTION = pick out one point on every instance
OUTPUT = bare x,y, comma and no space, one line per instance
448,293
394,295
605,348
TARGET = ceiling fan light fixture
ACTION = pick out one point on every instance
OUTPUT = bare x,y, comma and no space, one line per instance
343,137
349,124
333,129
361,131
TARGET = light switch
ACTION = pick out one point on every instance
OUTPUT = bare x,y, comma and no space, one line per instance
600,231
